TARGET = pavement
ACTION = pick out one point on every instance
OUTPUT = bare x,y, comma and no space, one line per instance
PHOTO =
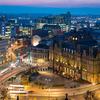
74,93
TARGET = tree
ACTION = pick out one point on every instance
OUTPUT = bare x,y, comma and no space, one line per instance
4,93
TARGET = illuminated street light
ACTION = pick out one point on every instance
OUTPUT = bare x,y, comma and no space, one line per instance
11,45
12,65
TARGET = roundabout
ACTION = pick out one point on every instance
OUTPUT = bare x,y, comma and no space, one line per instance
47,84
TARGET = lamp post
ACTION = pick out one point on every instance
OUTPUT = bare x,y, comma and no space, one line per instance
17,98
29,55
53,55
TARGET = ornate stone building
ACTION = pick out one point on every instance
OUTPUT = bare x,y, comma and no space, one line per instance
78,57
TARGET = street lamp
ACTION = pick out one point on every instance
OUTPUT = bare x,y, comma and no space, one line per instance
53,53
12,65
17,98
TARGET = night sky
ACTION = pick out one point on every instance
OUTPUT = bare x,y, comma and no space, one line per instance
50,6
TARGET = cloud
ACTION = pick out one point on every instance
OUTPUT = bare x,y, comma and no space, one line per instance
61,3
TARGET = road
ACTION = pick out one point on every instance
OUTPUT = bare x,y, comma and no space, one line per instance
60,92
12,73
11,51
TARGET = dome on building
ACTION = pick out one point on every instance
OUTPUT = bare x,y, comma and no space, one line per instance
35,40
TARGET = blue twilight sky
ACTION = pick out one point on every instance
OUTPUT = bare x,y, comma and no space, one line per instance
50,6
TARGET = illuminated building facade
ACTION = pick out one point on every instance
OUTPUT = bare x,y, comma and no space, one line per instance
77,57
3,50
40,52
63,20
56,29
25,30
40,55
